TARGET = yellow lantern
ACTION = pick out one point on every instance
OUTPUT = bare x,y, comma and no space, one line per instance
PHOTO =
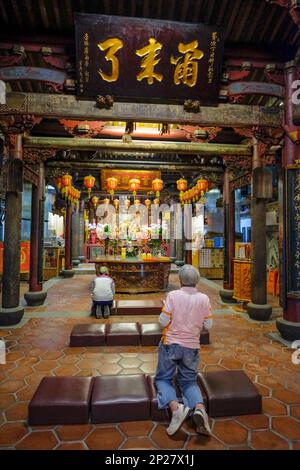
116,203
89,182
134,185
94,201
127,204
106,201
181,185
148,203
156,201
112,184
157,186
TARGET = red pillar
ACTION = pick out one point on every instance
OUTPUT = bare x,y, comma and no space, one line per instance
289,325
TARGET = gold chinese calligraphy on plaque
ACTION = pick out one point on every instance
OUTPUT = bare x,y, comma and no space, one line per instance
150,59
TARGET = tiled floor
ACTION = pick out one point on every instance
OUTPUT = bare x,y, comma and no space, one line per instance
40,348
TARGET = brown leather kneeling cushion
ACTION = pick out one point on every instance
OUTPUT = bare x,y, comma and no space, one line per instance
119,398
122,334
88,334
230,393
61,400
139,307
150,334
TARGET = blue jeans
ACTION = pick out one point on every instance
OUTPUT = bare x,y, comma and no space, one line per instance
102,303
172,357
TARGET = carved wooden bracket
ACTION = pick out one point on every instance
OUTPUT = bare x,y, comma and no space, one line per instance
234,162
31,175
200,134
192,106
293,6
83,128
18,124
104,102
37,155
240,181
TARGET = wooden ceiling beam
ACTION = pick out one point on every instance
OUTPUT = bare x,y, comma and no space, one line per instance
116,145
67,106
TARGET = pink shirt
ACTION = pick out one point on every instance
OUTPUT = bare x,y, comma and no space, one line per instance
188,309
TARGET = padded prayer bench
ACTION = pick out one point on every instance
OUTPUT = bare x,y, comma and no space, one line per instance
61,400
138,307
122,334
119,398
88,334
230,393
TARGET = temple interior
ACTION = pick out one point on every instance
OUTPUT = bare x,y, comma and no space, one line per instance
126,157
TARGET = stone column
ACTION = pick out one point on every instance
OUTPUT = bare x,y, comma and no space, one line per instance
187,225
229,240
81,228
68,271
36,295
172,237
289,233
179,233
12,312
258,309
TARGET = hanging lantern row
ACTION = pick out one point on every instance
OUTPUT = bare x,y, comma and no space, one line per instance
194,194
64,184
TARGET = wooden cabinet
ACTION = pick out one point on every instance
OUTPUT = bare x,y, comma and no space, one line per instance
242,279
52,262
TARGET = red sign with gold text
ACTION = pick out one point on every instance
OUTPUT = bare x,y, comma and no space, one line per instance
123,176
25,257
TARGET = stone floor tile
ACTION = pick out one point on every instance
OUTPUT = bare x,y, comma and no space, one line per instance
291,398
10,433
130,362
10,386
46,365
254,421
287,427
130,371
230,432
148,367
73,432
69,369
38,440
88,364
109,369
17,412
21,372
138,444
273,407
104,439
204,443
295,411
71,446
110,358
136,428
6,400
267,440
163,441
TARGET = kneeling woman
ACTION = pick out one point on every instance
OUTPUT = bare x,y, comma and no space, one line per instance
103,291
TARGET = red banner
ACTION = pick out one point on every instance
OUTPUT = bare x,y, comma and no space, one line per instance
123,176
25,257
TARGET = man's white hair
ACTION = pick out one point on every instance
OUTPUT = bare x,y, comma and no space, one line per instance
104,270
189,276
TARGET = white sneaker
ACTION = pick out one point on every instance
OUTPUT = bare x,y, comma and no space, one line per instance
178,418
200,418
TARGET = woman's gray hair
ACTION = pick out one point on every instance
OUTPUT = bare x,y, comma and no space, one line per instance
189,276
104,270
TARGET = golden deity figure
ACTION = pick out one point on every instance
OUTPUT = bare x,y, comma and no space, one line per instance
149,62
186,70
113,45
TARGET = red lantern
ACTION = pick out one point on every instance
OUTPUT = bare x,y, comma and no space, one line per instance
89,182
202,186
157,185
134,185
112,184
